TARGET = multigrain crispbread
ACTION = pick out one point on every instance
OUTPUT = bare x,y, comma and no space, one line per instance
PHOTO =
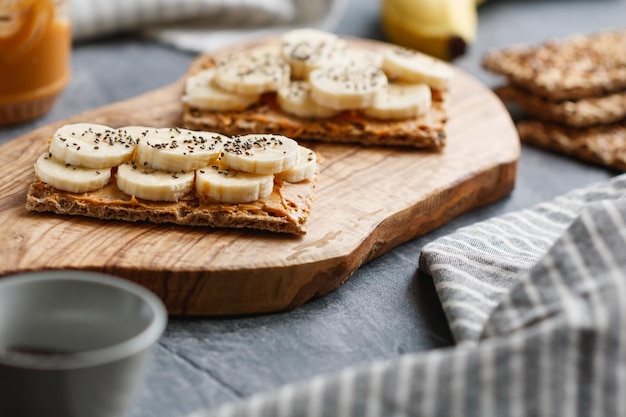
577,113
601,145
576,67
285,211
573,92
342,124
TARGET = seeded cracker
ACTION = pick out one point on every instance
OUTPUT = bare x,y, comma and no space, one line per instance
577,113
601,145
286,211
575,89
577,67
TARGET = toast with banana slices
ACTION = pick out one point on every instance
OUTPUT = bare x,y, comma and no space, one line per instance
314,85
174,175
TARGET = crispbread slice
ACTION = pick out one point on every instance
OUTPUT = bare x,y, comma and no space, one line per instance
601,145
427,131
285,211
576,67
576,113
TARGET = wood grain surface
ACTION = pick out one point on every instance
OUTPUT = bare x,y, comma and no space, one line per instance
368,200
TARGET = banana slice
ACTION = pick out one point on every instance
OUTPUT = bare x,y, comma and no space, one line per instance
201,92
91,145
252,72
66,177
260,154
229,186
305,167
136,133
346,87
296,99
154,185
415,67
401,101
357,57
174,149
308,49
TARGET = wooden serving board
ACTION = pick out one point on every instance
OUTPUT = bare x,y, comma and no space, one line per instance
368,200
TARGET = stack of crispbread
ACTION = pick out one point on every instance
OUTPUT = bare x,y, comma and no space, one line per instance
574,94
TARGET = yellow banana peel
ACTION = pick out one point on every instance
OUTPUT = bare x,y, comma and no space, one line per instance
441,28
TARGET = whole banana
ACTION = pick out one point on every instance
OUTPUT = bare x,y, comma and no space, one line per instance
441,28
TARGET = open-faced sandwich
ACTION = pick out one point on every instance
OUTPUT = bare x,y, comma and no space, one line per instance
315,85
173,175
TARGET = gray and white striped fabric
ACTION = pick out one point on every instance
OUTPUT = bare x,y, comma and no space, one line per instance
475,268
201,25
537,302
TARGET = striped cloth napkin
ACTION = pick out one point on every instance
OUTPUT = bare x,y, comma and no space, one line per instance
201,25
537,303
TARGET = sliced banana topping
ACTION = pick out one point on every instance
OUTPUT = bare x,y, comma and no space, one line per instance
202,92
228,186
412,66
91,145
296,99
260,154
66,177
175,149
401,101
308,49
305,168
170,162
341,77
346,87
154,185
252,72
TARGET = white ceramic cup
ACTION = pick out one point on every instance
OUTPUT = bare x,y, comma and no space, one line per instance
74,344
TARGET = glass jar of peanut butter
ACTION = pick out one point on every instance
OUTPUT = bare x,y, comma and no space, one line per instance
35,45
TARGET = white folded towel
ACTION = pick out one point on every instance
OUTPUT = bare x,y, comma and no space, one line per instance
201,25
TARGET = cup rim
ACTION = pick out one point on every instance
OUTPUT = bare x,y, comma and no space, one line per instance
84,359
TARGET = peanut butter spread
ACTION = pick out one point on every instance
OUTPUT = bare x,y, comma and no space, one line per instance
285,210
